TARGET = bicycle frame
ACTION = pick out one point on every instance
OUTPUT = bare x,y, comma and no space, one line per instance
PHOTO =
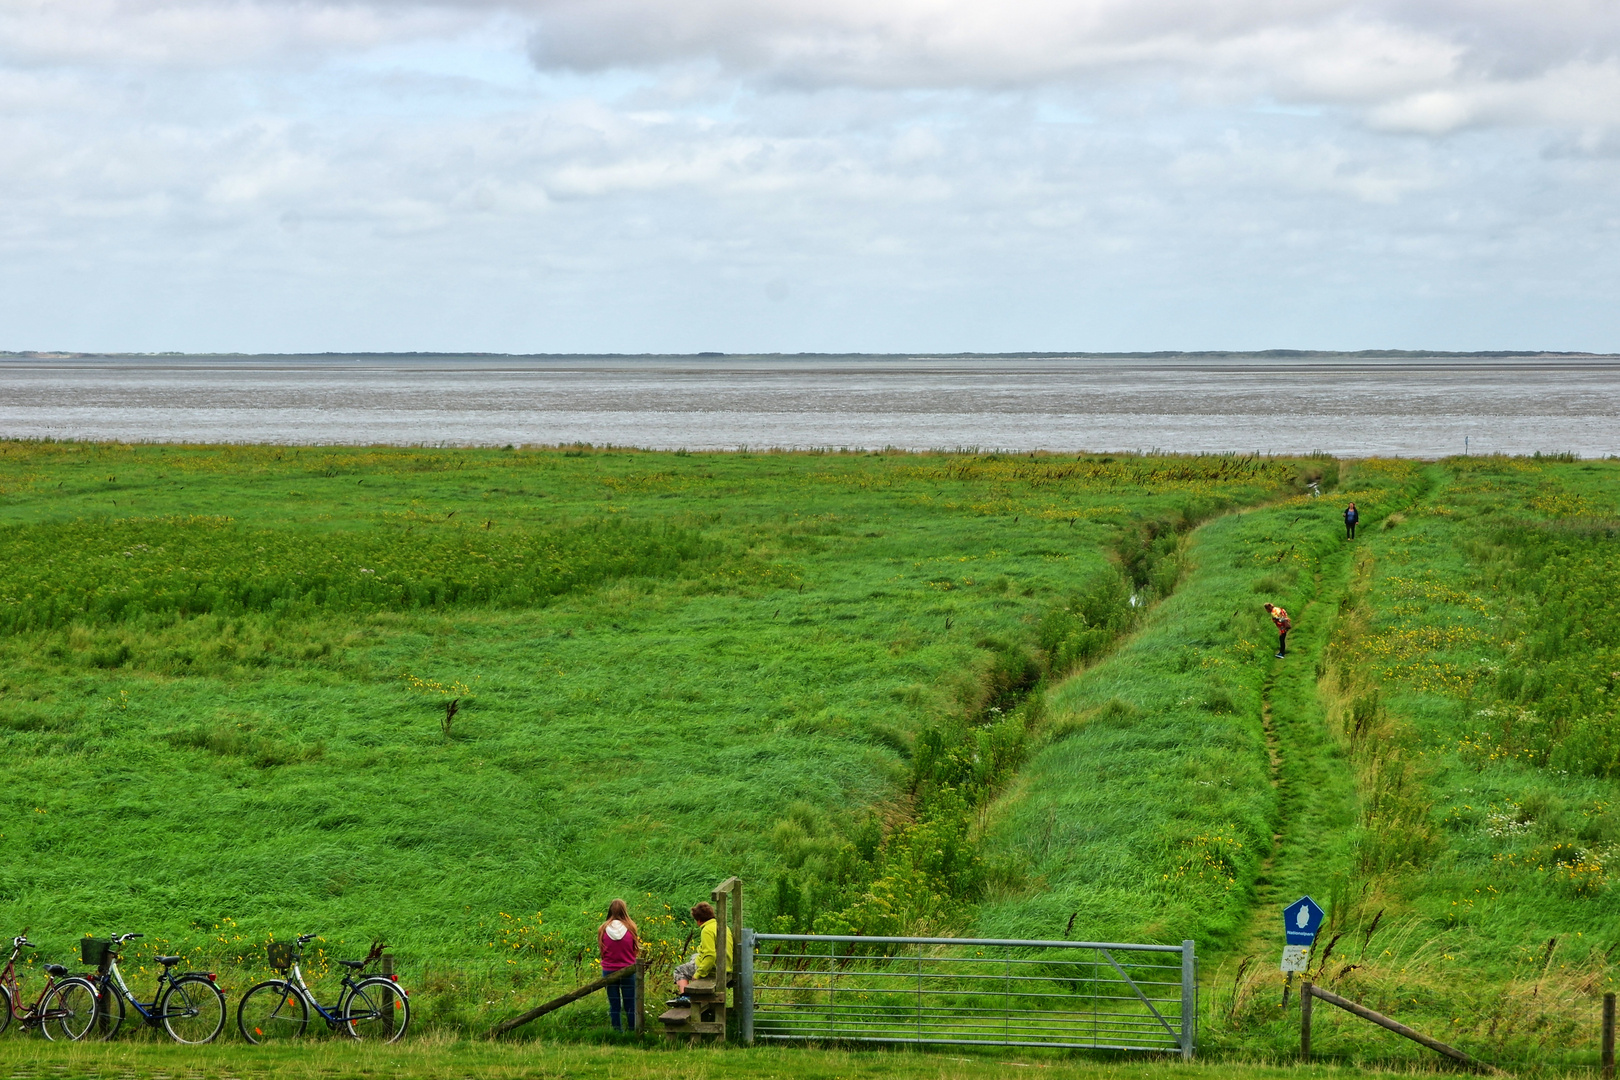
295,979
115,980
8,978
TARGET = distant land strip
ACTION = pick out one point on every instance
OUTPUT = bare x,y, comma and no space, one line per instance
1203,354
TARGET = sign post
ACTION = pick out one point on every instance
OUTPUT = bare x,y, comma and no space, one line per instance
1301,920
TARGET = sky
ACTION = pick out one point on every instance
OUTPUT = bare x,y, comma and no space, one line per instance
809,175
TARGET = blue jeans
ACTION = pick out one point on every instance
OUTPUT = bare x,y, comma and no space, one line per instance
621,1000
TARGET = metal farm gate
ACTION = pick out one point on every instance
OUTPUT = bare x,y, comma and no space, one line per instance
967,991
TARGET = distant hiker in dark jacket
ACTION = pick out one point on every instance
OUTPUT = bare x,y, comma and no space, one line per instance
1351,516
1284,624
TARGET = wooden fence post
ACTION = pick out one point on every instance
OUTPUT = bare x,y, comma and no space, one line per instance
1608,1036
1305,1021
641,999
385,964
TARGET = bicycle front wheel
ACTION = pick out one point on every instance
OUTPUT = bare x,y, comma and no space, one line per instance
272,1012
193,1009
377,1010
69,1010
5,1008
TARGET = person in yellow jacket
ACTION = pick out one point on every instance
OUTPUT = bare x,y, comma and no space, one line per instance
701,966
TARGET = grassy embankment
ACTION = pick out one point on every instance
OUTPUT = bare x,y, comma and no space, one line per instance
1441,750
223,672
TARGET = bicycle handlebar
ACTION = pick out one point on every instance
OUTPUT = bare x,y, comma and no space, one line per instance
120,938
21,942
305,939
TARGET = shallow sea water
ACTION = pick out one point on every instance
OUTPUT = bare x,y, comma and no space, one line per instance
1419,408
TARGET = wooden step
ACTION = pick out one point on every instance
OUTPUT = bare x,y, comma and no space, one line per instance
680,1014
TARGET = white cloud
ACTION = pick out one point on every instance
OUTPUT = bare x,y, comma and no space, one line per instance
209,33
1398,60
617,174
1579,95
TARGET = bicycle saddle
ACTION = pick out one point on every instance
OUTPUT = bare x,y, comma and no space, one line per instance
55,969
168,961
353,965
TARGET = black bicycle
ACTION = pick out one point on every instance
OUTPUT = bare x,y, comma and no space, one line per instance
189,1007
372,1008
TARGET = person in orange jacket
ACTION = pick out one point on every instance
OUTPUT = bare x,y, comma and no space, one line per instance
1284,624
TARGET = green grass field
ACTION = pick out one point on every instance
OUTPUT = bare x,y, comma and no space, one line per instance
225,675
1026,696
433,1058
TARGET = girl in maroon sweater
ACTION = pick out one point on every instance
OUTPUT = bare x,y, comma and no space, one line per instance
619,946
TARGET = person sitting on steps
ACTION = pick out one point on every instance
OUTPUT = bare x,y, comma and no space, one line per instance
701,966
1284,624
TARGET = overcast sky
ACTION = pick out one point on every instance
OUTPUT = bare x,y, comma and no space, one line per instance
784,175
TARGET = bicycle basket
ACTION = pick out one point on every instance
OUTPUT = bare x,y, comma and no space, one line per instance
281,955
93,950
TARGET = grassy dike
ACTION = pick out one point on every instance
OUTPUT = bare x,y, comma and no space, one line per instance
223,673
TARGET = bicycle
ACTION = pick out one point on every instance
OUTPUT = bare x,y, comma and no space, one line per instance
374,1007
189,1007
68,1006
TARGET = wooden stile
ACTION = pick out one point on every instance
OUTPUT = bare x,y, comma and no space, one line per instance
707,1013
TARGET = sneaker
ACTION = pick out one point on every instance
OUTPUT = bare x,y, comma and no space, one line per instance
1282,656
678,1001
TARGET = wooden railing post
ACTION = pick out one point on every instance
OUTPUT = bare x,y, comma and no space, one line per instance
721,941
558,1002
641,998
736,924
1608,1036
1305,998
385,964
1393,1025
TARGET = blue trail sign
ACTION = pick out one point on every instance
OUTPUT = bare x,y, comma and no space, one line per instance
1301,920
